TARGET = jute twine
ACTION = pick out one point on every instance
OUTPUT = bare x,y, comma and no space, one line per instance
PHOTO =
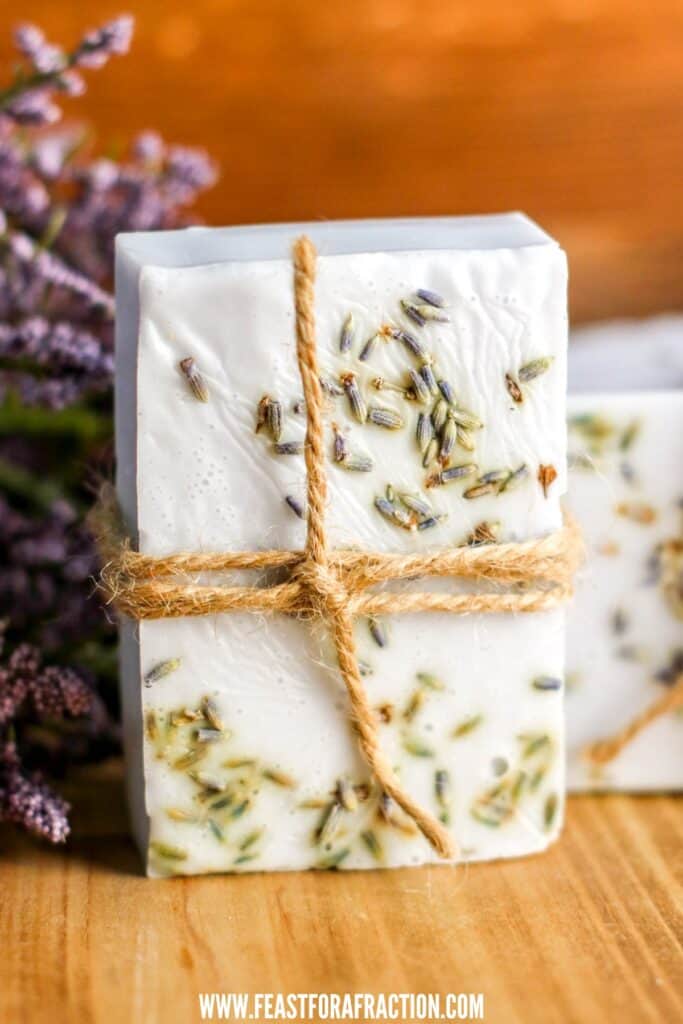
333,585
604,751
671,582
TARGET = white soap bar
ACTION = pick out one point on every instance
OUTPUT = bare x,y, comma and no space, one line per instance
625,636
470,707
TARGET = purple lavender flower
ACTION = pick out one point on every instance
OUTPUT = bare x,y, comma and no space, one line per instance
35,278
51,692
77,363
51,152
188,171
32,108
148,148
26,800
60,209
98,46
24,196
32,44
45,575
28,101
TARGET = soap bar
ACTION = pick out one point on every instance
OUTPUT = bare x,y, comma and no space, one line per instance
239,751
625,630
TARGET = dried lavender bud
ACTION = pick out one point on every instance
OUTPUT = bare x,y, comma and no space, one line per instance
331,387
431,298
442,786
368,348
430,522
162,669
449,436
419,387
427,374
513,388
296,506
341,448
516,476
378,631
394,514
447,391
356,400
414,346
439,415
416,503
288,448
412,313
194,379
356,463
424,431
479,490
535,368
465,418
453,473
426,312
383,417
274,418
494,476
465,439
431,453
262,413
348,333
546,683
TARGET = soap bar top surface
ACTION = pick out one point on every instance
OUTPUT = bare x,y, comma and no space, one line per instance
236,320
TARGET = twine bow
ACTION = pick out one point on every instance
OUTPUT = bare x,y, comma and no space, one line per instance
334,584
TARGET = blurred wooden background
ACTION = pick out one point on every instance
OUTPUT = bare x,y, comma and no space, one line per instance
571,110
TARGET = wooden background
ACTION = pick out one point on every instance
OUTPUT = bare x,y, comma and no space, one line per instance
571,110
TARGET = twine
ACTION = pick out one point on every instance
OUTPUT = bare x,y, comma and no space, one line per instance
333,584
604,751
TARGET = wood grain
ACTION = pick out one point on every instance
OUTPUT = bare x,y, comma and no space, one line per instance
569,109
592,931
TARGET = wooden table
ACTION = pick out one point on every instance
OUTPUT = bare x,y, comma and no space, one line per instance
591,932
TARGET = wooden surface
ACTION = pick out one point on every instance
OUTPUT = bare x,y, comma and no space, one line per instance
590,932
569,109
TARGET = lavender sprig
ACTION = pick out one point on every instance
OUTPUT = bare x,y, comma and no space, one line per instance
60,362
60,208
29,99
26,800
50,693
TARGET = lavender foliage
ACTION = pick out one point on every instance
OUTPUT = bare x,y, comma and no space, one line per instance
61,206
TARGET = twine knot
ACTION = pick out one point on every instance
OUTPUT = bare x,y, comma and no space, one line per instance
324,594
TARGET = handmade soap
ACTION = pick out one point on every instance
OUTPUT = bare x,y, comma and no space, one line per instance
443,352
625,630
